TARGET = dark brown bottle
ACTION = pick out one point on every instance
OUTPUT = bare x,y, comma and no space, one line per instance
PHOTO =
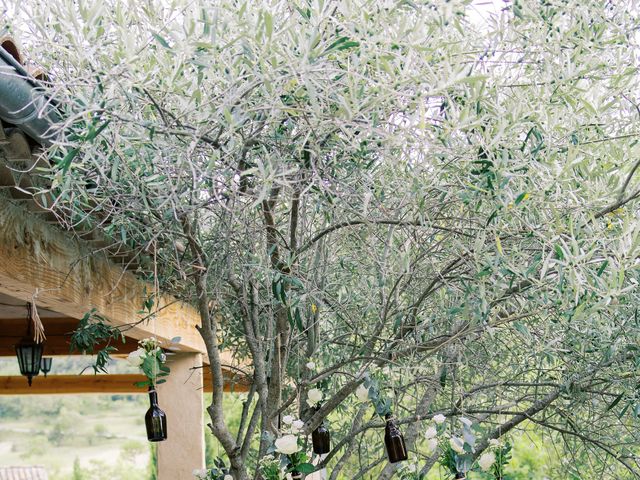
155,419
394,441
321,439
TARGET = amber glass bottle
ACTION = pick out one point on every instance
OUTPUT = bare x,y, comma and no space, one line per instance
394,441
321,438
155,419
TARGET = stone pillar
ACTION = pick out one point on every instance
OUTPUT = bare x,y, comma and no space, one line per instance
181,398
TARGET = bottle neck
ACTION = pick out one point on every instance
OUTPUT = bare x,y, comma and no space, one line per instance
153,396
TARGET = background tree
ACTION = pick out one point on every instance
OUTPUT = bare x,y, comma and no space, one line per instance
389,189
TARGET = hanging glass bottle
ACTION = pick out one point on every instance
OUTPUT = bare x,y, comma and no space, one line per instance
394,441
321,438
155,419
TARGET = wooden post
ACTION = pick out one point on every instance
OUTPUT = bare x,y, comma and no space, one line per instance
181,398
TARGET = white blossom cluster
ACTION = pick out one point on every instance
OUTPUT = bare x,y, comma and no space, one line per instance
204,474
147,346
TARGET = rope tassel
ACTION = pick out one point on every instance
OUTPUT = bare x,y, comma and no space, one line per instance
36,322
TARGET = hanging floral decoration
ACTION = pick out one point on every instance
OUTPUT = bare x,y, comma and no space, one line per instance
294,459
459,451
218,472
150,359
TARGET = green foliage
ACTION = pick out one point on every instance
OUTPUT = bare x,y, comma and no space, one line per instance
93,330
456,199
381,404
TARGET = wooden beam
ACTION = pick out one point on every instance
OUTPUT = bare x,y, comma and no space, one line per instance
58,342
107,384
59,345
67,277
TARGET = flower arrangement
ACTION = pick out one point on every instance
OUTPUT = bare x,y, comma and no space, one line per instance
410,471
495,459
211,474
219,472
457,456
270,468
150,359
459,451
289,445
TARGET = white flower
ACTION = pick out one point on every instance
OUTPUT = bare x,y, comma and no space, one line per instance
287,419
136,358
432,444
412,467
288,476
311,365
297,425
465,421
439,418
494,442
287,444
228,477
314,397
200,473
362,393
457,444
486,460
431,432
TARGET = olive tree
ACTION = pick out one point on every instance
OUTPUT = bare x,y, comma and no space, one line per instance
391,193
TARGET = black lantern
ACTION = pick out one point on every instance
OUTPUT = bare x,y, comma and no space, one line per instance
29,352
45,365
29,355
155,419
394,441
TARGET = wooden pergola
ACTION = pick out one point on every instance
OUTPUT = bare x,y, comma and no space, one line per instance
64,276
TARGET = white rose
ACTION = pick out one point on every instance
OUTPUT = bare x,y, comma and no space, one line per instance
439,418
297,425
494,442
465,421
200,473
457,444
287,444
228,477
136,358
362,393
311,366
314,397
486,460
412,467
287,419
432,444
431,432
